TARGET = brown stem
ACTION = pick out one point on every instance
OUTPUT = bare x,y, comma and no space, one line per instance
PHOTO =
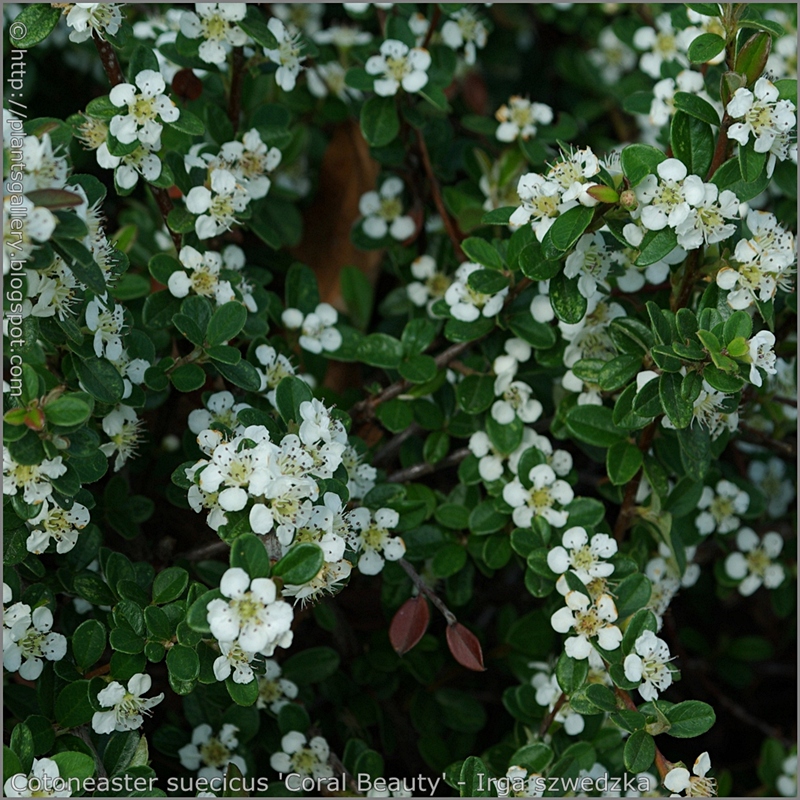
235,97
437,13
551,715
629,500
752,435
662,764
83,734
723,144
450,227
204,551
681,300
418,470
428,592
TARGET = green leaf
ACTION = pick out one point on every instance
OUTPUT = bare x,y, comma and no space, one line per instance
100,378
705,47
169,584
33,25
571,673
67,411
505,438
487,281
632,594
242,374
643,620
188,377
623,461
639,160
535,264
11,763
81,263
300,565
475,393
189,328
484,519
690,718
72,764
738,325
569,227
312,665
729,176
181,220
188,123
568,303
248,553
289,396
88,643
255,26
380,350
124,640
481,252
752,56
243,694
379,121
197,616
183,663
696,107
692,142
751,163
22,745
73,707
695,448
656,245
358,294
679,410
640,752
226,323
498,216
474,778
593,425
418,369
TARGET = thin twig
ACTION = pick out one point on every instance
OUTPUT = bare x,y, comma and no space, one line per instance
757,437
342,770
428,592
662,764
551,715
418,470
83,734
437,13
204,551
235,97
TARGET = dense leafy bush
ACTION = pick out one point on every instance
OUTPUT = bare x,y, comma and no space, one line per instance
320,319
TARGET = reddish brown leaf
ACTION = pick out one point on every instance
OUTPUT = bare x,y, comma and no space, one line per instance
465,647
409,624
187,85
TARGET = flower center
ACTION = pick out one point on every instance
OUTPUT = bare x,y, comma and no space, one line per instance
669,194
540,498
304,761
710,218
545,205
397,68
222,207
373,538
248,607
269,691
587,623
214,753
203,282
31,644
583,558
391,208
214,27
701,787
437,284
521,115
721,508
760,118
143,109
758,561
665,45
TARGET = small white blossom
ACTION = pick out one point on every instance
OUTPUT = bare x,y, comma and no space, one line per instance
52,291
276,367
298,755
233,661
106,324
38,224
770,477
612,57
762,356
209,755
587,619
249,161
43,777
42,169
547,694
755,565
127,169
202,276
124,429
720,508
383,212
465,303
705,223
465,29
369,535
678,779
217,207
663,45
540,500
786,783
215,24
584,557
317,331
668,198
648,664
221,407
274,692
27,639
663,105
57,524
32,479
590,262
145,104
360,477
430,284
397,66
286,55
88,19
127,707
519,119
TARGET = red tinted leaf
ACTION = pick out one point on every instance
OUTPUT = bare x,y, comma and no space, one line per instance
465,647
409,624
186,84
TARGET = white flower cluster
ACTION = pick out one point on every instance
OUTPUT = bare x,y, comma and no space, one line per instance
720,507
663,44
564,186
28,638
761,264
648,665
317,331
695,210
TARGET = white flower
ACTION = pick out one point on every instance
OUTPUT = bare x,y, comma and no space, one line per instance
317,331
667,200
286,55
222,408
547,694
465,29
520,117
762,356
249,161
274,692
214,23
106,324
383,212
33,479
786,783
124,429
663,105
324,582
430,284
253,616
490,466
611,56
678,779
38,224
546,491
144,108
720,508
360,477
465,303
329,78
754,565
584,557
705,223
343,36
218,205
649,665
770,477
276,367
541,203
87,19
572,175
209,754
663,43
127,706
767,118
590,262
296,757
42,169
30,640
233,659
369,535
397,66
706,411
588,620
54,290
43,777
516,401
202,277
127,169
59,524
